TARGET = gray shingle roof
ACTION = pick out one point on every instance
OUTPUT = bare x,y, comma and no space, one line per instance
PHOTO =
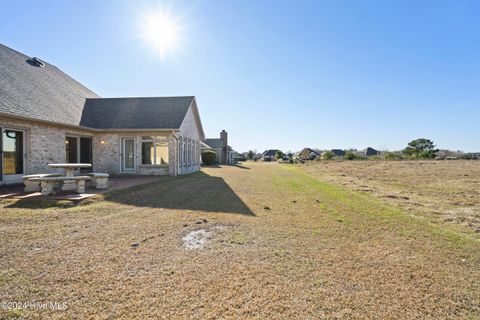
369,151
338,152
46,93
269,153
135,113
40,93
309,150
215,143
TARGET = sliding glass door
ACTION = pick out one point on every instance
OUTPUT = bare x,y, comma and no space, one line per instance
78,150
13,150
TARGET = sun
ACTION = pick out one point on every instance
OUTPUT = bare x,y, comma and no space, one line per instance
161,32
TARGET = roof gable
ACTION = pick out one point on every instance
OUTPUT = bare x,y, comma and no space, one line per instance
193,111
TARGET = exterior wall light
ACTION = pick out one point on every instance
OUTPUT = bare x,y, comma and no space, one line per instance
102,141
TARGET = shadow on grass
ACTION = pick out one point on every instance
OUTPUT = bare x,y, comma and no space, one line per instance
197,191
38,203
216,166
240,166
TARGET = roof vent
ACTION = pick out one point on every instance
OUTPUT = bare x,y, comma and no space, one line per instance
38,62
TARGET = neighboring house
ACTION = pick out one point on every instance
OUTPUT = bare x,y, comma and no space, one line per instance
225,153
338,152
309,154
269,155
442,154
235,157
48,117
369,152
296,156
472,155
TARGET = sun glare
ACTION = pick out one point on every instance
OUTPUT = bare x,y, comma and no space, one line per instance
161,32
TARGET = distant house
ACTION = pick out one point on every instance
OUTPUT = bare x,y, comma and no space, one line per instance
369,152
472,156
443,154
309,154
269,155
225,153
338,152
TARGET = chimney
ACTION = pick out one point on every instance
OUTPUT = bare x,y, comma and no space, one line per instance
224,137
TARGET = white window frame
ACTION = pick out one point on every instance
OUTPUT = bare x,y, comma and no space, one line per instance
156,140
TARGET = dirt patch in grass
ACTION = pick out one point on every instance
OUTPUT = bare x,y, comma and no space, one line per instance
446,192
319,251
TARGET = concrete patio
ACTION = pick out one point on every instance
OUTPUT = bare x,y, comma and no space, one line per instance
15,191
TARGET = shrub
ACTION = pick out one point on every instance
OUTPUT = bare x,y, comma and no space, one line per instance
428,154
390,156
349,155
208,157
393,155
279,155
328,155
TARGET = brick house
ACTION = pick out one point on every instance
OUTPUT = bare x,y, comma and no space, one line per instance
224,153
48,117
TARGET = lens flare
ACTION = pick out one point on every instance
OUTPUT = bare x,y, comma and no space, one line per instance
162,32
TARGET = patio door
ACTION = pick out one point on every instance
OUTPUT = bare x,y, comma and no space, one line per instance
128,155
79,150
12,154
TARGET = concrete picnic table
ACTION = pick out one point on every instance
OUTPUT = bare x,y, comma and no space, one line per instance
69,169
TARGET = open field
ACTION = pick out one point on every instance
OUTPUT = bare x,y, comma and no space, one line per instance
445,192
280,244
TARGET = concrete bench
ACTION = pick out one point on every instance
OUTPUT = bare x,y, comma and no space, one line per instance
34,186
99,180
48,183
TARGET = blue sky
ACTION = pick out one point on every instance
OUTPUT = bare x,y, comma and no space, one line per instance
279,74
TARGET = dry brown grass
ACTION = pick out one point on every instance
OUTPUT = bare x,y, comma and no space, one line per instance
289,246
445,192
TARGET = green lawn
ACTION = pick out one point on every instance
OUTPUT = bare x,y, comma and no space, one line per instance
282,244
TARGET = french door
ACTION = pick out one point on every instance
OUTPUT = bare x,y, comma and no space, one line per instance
79,150
12,154
128,155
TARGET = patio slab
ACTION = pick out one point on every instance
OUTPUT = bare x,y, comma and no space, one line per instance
15,191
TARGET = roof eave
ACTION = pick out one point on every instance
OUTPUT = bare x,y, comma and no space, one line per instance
29,119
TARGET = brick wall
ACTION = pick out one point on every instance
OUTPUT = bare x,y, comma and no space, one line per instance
45,143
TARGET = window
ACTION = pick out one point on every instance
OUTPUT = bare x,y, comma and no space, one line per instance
180,151
197,154
161,153
184,152
12,152
189,152
154,150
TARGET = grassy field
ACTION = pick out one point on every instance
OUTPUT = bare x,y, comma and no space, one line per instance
444,192
282,243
